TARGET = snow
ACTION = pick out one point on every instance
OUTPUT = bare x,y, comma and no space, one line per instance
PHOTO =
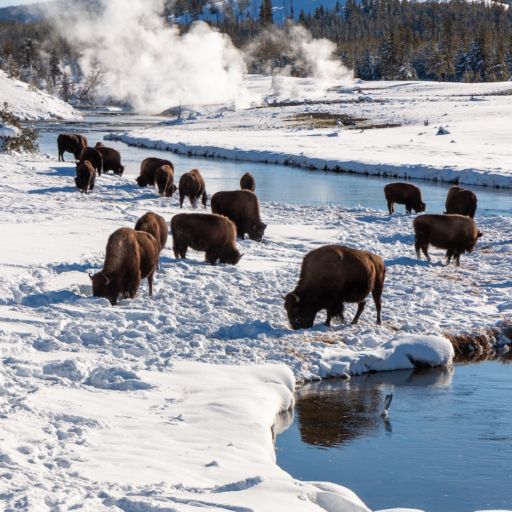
474,151
30,104
8,131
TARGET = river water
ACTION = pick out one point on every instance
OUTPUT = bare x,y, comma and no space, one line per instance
274,182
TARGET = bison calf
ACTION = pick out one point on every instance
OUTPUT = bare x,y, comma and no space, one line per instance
404,193
155,225
148,168
330,276
461,201
164,178
247,182
192,186
213,234
70,143
455,233
111,159
130,256
94,156
85,177
242,207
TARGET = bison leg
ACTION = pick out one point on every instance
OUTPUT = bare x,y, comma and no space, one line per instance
182,198
204,199
449,254
417,247
390,207
457,258
211,257
360,308
150,282
334,311
377,298
424,248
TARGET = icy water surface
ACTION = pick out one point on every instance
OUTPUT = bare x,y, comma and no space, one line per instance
447,446
274,182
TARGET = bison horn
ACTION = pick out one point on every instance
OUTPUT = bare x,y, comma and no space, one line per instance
107,279
296,297
91,275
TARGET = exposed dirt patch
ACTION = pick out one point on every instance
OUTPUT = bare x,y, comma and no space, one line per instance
330,120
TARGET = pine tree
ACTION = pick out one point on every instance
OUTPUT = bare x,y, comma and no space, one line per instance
54,67
266,16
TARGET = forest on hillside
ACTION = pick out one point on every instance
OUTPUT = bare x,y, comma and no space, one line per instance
379,39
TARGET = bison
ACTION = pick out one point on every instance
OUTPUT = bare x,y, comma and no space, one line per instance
404,193
70,143
330,276
242,207
247,182
148,168
192,186
93,156
85,177
130,256
213,234
461,201
455,233
164,178
155,225
111,159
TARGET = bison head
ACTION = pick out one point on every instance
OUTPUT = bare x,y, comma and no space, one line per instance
231,257
141,181
170,190
102,286
257,232
120,171
299,315
420,207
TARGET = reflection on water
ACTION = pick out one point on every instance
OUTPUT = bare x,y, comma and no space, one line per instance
446,447
274,182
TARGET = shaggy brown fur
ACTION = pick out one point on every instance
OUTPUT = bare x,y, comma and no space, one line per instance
461,201
148,169
330,276
192,186
155,225
85,177
247,182
455,233
242,207
70,143
213,234
130,256
93,156
164,178
404,193
111,159
474,347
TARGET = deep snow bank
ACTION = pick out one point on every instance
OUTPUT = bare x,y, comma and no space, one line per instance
31,104
436,131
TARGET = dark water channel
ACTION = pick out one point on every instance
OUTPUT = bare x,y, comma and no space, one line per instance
447,446
274,182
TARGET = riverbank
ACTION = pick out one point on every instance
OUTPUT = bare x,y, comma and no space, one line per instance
450,132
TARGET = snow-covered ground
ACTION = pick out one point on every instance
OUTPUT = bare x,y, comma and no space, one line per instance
475,149
167,403
31,104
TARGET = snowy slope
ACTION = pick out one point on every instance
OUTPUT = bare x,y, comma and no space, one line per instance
30,104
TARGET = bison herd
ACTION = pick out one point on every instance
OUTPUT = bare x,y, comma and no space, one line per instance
330,275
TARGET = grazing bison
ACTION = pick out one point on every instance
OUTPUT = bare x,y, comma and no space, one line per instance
330,276
461,201
130,256
404,193
148,169
70,143
155,225
242,207
192,186
111,159
164,178
85,177
93,156
455,233
247,182
213,234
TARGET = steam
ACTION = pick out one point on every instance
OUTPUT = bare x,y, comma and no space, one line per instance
146,62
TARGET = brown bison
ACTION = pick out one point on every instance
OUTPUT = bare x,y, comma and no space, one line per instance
247,182
330,276
461,201
130,256
155,225
404,193
213,234
148,168
99,145
164,178
111,159
192,186
455,233
242,207
85,177
70,143
94,156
